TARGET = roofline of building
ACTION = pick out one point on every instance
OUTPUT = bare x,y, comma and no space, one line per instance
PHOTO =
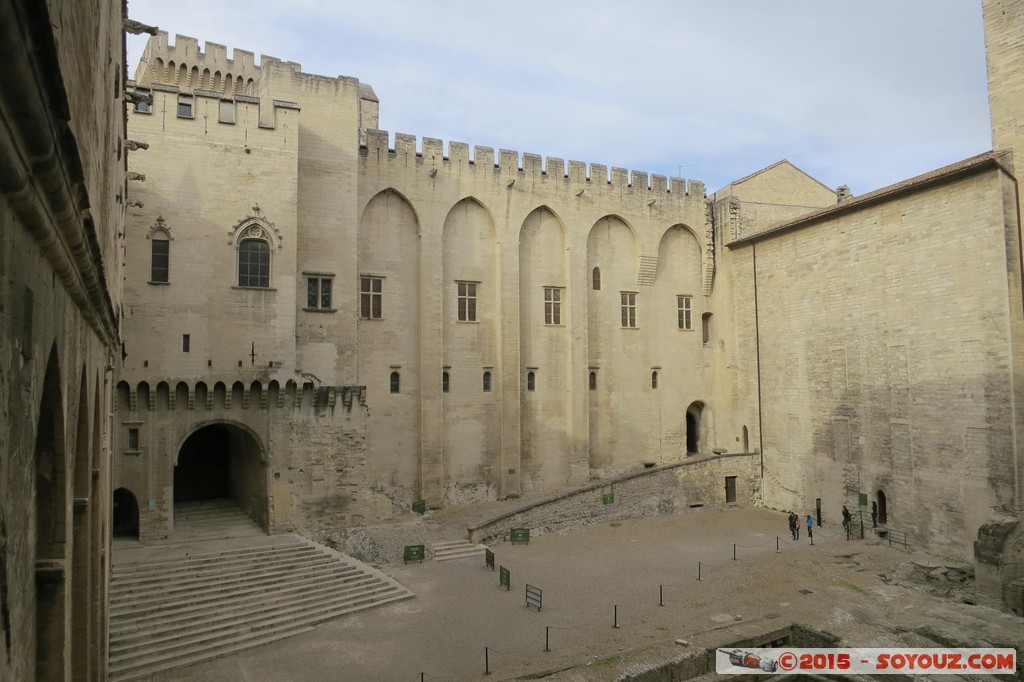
770,167
969,166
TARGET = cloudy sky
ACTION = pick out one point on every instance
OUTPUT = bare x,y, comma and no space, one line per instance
862,93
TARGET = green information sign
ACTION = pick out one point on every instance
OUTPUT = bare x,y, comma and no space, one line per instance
520,535
863,499
414,553
608,498
419,506
504,578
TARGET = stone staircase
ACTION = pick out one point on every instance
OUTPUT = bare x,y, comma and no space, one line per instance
203,600
457,549
211,520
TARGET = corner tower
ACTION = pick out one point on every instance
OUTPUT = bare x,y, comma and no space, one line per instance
1004,41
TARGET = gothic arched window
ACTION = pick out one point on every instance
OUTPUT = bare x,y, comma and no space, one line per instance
254,263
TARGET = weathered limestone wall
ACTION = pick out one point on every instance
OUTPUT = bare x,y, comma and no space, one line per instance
885,335
209,185
299,463
999,549
551,226
61,186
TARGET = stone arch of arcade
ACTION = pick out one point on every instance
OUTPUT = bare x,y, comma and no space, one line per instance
223,460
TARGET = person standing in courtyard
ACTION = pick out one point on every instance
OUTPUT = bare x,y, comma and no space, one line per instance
846,518
794,525
874,514
810,528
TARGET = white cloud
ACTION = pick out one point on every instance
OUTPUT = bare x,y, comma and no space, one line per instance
862,94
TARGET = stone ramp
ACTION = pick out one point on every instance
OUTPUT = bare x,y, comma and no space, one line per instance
179,606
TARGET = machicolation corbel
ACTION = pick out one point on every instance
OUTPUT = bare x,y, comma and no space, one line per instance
134,145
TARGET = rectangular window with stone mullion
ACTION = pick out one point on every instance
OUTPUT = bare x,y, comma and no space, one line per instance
160,262
552,305
318,293
628,299
684,305
467,301
370,297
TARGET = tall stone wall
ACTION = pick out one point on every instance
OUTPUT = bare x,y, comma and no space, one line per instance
552,224
884,335
61,217
284,164
299,463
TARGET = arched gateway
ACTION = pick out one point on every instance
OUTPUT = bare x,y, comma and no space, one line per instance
223,461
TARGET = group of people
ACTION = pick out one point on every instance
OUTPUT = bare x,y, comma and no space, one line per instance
794,521
794,525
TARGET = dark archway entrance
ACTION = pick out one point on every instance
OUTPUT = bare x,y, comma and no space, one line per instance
693,427
882,511
223,462
203,471
126,515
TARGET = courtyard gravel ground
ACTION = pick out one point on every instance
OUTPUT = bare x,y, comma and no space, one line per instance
865,593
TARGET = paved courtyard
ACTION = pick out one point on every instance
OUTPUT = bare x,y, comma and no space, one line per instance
866,593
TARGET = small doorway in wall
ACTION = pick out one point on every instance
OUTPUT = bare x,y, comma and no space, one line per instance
730,489
126,515
882,513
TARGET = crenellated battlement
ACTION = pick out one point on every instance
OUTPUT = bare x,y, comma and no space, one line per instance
183,65
512,165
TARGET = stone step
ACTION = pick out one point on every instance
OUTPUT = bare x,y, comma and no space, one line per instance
216,592
145,667
123,653
193,607
205,567
143,670
459,549
216,602
233,605
168,578
146,601
123,566
190,624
